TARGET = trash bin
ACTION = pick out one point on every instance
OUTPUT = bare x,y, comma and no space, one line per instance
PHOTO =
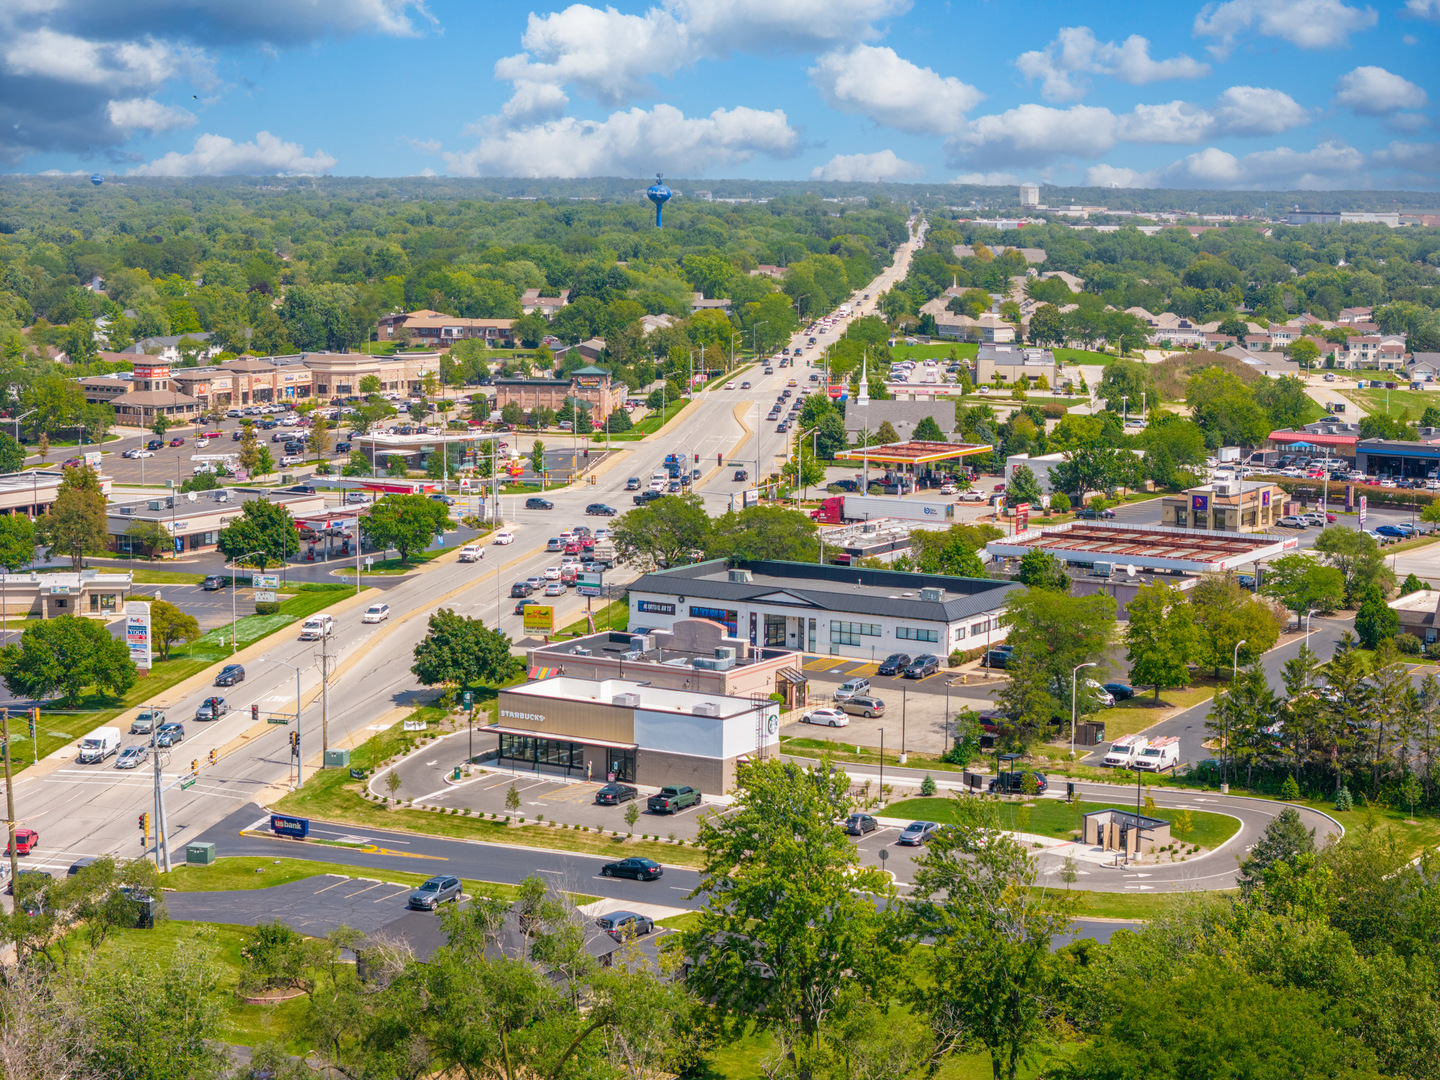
337,759
456,774
1069,790
199,854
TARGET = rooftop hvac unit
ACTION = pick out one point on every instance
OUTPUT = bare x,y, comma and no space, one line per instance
740,577
1225,487
156,504
706,708
1102,569
705,663
579,650
632,655
936,595
626,701
725,652
643,642
127,510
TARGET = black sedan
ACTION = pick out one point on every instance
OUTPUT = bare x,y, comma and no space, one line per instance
917,832
860,824
893,664
615,794
229,675
639,869
523,604
539,504
1119,691
600,510
435,892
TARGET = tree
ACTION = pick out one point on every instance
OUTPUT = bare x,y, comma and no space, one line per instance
1304,352
1051,634
169,625
987,932
457,651
1240,715
1126,387
263,527
1022,487
396,465
927,430
1285,839
955,551
12,455
886,434
762,532
830,436
63,656
75,525
1160,637
664,532
17,542
1225,614
405,522
205,481
160,425
790,925
370,384
1303,584
1285,399
264,462
1225,409
1358,557
318,441
1041,570
150,535
1375,621
1084,469
537,458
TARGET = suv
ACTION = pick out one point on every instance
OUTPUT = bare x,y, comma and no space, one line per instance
923,665
229,675
435,892
170,734
600,510
213,582
1013,783
673,799
633,484
851,688
539,504
212,708
893,664
999,656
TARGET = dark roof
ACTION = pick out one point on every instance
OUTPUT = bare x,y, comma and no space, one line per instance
902,415
422,933
833,588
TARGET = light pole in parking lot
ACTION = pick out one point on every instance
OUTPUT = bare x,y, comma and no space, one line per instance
1074,675
296,748
1307,626
232,565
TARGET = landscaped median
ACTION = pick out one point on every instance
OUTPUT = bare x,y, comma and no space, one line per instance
332,795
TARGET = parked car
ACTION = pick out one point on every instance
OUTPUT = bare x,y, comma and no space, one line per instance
923,665
155,444
177,441
213,582
1393,532
639,869
212,708
893,664
863,705
860,824
170,734
827,716
1119,691
435,892
1013,783
917,833
615,794
624,925
851,688
999,656
1291,521
1095,515
673,799
230,674
534,503
132,757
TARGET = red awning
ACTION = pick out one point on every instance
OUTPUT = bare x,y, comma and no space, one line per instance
1287,437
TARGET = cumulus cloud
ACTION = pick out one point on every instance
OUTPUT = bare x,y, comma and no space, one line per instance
876,82
1075,53
1423,9
147,114
1034,134
1307,24
1114,176
988,179
215,155
629,143
777,25
1329,165
884,165
1373,91
1241,110
277,22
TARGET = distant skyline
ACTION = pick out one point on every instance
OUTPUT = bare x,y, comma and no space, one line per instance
1243,94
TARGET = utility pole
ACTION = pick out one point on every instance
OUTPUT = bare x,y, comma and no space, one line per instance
162,827
10,802
325,659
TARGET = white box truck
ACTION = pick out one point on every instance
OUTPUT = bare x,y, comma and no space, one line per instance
1123,751
1159,755
99,744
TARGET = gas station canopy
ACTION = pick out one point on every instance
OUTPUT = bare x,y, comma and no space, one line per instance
913,453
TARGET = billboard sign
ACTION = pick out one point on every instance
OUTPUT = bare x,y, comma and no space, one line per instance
92,458
267,582
137,632
589,583
1022,517
1364,501
539,619
263,596
284,825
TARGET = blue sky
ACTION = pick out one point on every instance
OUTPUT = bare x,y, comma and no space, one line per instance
1237,94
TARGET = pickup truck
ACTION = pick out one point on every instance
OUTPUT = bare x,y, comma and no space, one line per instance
471,553
673,799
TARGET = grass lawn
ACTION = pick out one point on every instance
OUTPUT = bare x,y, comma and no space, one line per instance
612,616
393,566
936,350
333,796
1400,402
654,421
1062,820
1083,356
1141,711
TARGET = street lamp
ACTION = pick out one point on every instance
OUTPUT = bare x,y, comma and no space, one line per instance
1235,661
299,760
232,564
1074,677
1225,757
1307,626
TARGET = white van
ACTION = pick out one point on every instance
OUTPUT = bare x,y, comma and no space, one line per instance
1124,750
99,744
316,627
1159,755
376,613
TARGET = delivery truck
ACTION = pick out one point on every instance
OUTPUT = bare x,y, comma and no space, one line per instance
839,509
99,744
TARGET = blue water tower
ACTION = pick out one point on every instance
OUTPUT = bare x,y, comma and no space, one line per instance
97,179
659,194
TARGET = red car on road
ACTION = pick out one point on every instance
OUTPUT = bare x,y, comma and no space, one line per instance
26,841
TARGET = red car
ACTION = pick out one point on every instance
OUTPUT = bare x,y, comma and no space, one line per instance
73,463
572,548
26,841
177,441
211,435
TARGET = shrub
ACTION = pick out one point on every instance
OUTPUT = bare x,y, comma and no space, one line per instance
1289,790
1343,801
267,607
1408,644
927,786
1059,503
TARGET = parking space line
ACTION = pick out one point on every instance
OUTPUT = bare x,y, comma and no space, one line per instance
392,896
864,671
572,793
826,663
332,885
364,890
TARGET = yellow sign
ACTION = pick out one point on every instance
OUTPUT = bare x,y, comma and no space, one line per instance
539,619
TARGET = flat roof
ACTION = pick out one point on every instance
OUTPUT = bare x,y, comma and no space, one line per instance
913,453
654,698
399,441
1290,438
1146,547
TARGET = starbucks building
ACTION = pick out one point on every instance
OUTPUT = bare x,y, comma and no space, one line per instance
632,732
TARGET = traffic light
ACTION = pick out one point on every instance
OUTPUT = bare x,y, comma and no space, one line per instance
34,719
214,756
194,766
144,823
254,713
295,742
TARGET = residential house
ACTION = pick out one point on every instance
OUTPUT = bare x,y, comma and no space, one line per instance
531,301
699,303
1425,363
167,348
766,270
650,323
1384,352
434,329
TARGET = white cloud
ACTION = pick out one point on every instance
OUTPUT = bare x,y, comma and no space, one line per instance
1423,9
147,114
776,25
1423,159
1307,24
1329,165
1075,53
630,143
877,167
876,82
279,22
988,179
215,155
1034,134
116,65
1373,91
1112,176
425,146
1241,110
1170,122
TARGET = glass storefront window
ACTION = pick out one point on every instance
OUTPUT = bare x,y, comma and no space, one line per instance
774,629
530,750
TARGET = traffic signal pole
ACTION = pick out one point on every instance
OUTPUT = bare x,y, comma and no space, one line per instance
10,802
162,827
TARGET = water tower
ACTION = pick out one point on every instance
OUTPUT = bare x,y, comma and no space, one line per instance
97,179
659,194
